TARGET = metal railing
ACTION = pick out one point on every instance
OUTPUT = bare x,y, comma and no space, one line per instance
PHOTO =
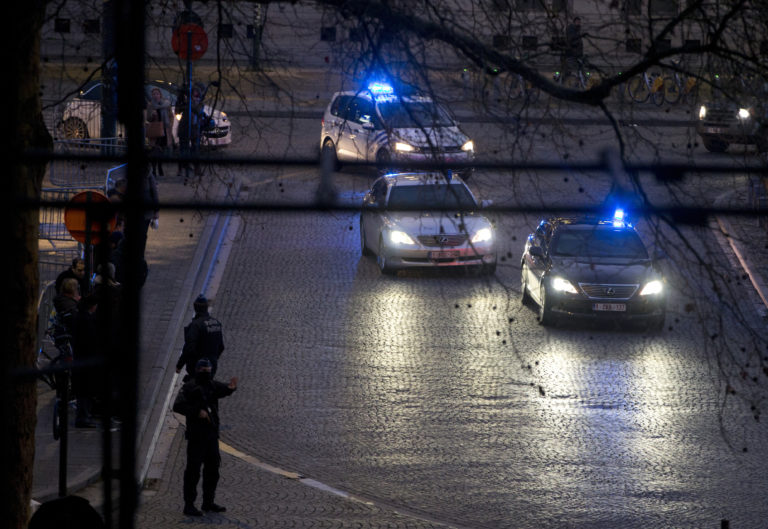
83,173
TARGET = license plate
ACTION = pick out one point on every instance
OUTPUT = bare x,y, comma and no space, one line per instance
712,130
610,307
444,254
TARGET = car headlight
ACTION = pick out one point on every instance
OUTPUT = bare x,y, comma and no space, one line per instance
483,234
178,117
468,147
563,285
702,112
400,237
652,287
743,113
403,147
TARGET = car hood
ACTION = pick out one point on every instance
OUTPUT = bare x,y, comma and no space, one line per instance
604,271
438,136
432,222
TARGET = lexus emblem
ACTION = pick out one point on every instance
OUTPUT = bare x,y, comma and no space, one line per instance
442,240
610,291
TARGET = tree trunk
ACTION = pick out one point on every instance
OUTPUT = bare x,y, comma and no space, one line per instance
20,246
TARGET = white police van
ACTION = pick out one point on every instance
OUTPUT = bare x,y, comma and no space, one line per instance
376,125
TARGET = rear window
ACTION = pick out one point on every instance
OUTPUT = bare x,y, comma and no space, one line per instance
598,242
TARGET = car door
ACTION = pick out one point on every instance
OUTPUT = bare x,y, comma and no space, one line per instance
538,263
373,211
345,127
362,128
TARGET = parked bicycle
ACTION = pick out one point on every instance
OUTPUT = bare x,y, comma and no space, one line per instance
648,86
55,370
520,88
573,74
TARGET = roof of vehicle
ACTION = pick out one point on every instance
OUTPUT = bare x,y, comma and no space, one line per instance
421,179
617,221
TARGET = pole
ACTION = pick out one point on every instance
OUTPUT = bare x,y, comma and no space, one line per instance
189,100
64,430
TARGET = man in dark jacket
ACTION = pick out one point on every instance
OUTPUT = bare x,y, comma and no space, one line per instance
198,401
202,339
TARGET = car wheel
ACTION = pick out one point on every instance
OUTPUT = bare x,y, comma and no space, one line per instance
546,317
364,250
714,144
381,260
488,269
74,129
525,298
383,161
329,153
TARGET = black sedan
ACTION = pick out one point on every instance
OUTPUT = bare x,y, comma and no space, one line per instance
592,268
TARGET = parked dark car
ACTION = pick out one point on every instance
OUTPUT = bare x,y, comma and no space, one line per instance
591,268
734,113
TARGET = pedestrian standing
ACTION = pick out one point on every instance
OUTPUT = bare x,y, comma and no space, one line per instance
158,127
76,271
203,338
151,200
198,401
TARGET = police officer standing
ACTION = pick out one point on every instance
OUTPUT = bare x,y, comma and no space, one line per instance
202,339
198,401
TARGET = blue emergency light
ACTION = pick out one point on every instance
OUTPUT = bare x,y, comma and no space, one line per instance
377,87
618,218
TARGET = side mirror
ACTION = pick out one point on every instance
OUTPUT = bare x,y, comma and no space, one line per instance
486,203
536,251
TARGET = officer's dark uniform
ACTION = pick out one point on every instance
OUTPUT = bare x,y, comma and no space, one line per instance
202,339
202,436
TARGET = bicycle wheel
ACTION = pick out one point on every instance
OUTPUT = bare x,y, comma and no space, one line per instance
656,83
638,90
515,87
671,90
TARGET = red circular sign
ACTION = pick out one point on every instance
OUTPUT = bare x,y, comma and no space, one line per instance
102,216
198,41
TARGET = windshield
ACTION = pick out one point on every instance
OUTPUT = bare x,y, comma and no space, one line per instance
598,242
414,114
445,196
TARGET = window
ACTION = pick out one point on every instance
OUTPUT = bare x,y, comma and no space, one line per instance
691,43
634,46
92,25
328,34
529,5
632,7
663,45
530,42
356,35
61,25
558,43
226,31
663,7
502,42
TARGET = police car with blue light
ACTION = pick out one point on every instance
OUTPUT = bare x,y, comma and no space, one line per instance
591,267
378,125
417,220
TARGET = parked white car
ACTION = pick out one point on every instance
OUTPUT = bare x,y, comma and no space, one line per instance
81,118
